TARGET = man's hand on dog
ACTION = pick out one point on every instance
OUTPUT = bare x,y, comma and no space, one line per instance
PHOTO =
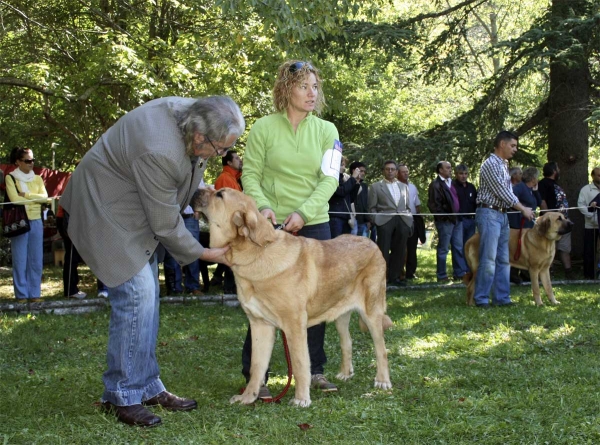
215,255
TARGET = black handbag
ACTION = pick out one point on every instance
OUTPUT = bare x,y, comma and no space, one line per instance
14,217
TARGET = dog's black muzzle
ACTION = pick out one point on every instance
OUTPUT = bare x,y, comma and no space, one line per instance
567,226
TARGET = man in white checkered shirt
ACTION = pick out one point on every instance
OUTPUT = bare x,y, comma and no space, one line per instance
494,199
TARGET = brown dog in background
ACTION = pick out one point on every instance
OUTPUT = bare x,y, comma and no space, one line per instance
293,283
538,245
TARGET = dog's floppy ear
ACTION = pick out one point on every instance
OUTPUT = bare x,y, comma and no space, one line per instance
543,225
252,225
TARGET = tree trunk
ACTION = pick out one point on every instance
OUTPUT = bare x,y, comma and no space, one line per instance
568,133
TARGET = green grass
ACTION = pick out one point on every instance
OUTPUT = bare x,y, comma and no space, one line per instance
461,375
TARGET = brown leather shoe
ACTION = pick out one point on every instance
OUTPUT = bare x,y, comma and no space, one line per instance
171,402
132,415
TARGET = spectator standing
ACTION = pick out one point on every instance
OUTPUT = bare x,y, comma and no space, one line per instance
340,202
467,200
389,199
291,169
26,188
587,203
175,273
554,199
126,197
229,177
414,204
360,198
516,175
527,192
443,202
494,198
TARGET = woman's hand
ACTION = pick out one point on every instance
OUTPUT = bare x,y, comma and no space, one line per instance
293,223
269,214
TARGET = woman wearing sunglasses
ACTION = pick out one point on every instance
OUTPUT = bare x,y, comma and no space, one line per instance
291,169
24,186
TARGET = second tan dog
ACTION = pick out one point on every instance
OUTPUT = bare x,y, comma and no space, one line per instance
537,252
292,283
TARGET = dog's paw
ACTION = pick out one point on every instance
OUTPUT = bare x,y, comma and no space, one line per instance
555,302
244,399
383,385
344,377
300,403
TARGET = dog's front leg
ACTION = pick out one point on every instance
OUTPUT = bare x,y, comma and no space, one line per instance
263,338
535,286
547,283
298,346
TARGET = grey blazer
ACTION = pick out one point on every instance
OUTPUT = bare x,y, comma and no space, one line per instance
382,202
126,195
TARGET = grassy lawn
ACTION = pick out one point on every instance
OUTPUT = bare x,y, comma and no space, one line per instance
507,375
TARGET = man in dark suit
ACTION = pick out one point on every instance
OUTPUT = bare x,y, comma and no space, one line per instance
126,197
389,199
443,202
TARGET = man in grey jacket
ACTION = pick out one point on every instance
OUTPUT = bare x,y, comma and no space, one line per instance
389,200
125,198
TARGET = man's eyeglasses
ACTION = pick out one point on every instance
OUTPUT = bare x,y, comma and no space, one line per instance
220,151
28,161
298,66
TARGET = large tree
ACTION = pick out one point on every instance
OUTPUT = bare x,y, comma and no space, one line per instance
541,82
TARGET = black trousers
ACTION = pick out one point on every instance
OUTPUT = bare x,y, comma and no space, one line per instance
590,243
71,261
315,334
411,254
391,239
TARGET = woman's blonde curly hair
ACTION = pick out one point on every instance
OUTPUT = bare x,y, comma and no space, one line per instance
286,80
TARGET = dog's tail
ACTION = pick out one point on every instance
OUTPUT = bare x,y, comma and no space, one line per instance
386,323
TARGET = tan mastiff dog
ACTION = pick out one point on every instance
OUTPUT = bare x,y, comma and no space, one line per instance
537,252
291,283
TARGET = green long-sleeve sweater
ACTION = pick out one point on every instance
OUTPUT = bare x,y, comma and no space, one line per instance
292,172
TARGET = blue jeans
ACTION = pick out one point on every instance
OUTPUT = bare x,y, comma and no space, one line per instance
28,261
338,226
192,270
133,374
361,230
469,228
450,234
494,265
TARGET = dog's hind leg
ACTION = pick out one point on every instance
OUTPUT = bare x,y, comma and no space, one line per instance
342,324
547,283
375,322
263,338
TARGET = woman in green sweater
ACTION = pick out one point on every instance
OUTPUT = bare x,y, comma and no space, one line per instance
291,169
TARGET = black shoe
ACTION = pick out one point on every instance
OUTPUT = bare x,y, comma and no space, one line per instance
514,276
132,415
171,402
483,306
443,280
398,282
509,304
412,277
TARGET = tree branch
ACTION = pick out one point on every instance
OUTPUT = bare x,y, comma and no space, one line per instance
538,116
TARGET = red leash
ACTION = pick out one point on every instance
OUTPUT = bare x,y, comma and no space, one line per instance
518,251
278,397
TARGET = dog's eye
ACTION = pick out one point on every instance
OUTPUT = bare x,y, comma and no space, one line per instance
219,194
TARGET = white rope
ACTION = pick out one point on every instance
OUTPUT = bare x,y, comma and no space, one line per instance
32,201
451,214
